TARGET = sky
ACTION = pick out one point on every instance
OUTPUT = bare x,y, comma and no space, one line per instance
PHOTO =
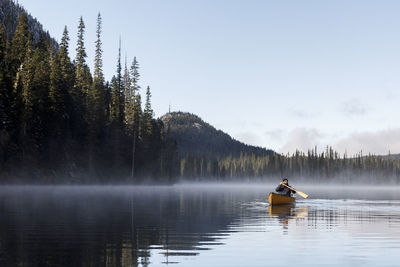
284,74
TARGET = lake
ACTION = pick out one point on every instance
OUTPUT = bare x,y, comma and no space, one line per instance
198,225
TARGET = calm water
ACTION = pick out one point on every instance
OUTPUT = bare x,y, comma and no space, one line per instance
198,225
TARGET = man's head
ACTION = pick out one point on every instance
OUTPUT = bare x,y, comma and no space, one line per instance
285,181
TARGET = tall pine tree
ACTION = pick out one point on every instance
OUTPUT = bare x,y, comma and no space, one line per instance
61,80
79,92
97,102
18,47
97,94
82,71
148,115
127,93
98,75
133,90
117,97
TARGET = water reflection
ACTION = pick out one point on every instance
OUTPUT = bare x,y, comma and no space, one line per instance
77,227
287,212
281,211
150,226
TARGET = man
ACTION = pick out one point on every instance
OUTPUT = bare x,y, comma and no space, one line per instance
283,190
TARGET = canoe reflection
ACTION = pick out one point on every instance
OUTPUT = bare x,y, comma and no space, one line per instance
288,212
281,210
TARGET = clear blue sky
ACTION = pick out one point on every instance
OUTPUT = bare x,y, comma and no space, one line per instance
278,74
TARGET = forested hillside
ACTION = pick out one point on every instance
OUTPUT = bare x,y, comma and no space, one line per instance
9,14
60,122
198,138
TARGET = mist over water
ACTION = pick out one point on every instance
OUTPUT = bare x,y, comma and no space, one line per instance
198,225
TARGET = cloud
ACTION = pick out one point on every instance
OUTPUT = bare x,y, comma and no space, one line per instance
353,107
249,138
379,142
300,113
374,142
390,96
275,134
301,139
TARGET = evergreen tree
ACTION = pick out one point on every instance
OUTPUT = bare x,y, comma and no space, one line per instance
97,101
58,95
135,76
80,60
127,93
117,96
148,115
98,61
61,80
138,115
79,92
120,87
82,73
18,47
131,102
117,116
67,68
98,89
131,86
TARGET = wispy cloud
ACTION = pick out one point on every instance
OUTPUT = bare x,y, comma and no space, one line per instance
300,113
353,107
374,142
301,139
379,142
274,134
249,138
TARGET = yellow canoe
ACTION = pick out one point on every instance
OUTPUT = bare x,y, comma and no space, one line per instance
276,199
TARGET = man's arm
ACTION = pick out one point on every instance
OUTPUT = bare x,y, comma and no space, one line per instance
279,188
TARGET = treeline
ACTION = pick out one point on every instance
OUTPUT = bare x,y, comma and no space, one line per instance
328,165
60,121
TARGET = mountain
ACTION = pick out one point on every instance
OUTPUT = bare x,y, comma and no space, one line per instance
196,137
9,13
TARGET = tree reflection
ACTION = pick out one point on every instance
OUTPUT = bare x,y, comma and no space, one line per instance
98,229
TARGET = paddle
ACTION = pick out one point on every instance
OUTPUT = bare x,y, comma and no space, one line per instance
298,192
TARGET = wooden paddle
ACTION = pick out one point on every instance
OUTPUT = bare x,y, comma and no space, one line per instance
298,192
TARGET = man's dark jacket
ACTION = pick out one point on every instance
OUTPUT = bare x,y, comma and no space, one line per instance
284,191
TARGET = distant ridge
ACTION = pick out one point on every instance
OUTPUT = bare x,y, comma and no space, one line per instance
392,157
198,138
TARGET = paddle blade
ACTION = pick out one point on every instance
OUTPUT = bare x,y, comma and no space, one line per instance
302,194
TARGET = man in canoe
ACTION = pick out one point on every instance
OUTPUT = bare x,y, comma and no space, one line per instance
283,190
